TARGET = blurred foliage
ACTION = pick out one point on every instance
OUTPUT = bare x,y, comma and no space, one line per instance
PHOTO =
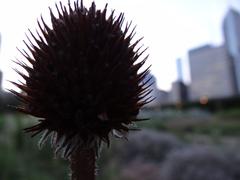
198,163
220,128
233,113
20,157
222,123
142,156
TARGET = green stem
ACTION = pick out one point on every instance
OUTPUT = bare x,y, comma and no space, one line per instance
82,165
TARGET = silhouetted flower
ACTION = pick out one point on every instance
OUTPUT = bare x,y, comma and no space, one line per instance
83,81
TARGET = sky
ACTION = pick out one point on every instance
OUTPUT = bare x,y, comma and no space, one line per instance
170,29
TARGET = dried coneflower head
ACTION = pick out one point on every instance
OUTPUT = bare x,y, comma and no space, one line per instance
83,82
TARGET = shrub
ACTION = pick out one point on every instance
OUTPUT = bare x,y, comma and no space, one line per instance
197,163
149,145
140,170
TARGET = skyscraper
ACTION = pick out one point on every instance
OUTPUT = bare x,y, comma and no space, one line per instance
231,28
155,93
179,70
211,73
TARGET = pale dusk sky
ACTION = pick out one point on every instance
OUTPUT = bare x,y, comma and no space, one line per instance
170,28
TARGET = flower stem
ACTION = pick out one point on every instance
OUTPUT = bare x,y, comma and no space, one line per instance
82,163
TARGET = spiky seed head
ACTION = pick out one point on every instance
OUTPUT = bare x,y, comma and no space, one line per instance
83,82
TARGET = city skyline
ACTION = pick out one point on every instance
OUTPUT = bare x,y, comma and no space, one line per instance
214,70
169,28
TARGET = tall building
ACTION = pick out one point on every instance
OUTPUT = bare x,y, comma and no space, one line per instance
155,93
211,73
231,28
179,70
178,93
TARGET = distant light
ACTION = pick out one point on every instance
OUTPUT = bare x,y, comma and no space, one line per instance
178,105
203,100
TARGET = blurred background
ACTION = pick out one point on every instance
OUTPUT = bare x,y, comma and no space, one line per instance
194,127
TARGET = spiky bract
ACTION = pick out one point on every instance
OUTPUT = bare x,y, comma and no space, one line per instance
83,81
